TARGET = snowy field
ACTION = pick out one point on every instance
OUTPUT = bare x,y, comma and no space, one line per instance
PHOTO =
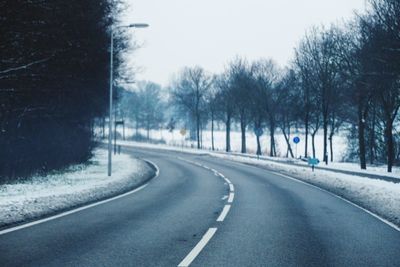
380,197
339,144
176,139
80,184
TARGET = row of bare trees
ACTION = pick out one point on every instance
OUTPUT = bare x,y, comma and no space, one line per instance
345,77
142,107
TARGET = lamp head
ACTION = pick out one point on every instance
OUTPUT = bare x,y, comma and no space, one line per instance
138,25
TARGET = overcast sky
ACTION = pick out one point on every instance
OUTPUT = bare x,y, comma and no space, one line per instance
210,33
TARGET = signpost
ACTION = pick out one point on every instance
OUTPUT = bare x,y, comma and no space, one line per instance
183,133
296,140
313,162
258,132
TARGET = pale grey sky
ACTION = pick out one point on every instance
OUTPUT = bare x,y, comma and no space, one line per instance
210,33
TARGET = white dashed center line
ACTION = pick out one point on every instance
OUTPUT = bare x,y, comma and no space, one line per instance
231,196
231,188
198,248
223,214
211,231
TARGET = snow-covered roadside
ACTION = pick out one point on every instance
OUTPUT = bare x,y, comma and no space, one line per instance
380,197
334,166
44,195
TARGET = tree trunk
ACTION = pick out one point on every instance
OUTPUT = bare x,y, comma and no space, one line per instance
123,130
198,130
258,146
287,139
115,138
306,122
313,143
258,126
325,125
243,131
201,136
331,145
390,144
228,134
372,144
137,126
272,151
361,139
212,132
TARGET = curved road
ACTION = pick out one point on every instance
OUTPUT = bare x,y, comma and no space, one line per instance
202,211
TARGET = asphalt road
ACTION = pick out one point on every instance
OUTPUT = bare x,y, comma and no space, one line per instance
183,217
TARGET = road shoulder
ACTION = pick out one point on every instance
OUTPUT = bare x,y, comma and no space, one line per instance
42,197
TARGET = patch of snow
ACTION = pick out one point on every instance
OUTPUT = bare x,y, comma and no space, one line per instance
80,184
175,139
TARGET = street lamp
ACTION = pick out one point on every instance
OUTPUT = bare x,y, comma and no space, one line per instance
134,25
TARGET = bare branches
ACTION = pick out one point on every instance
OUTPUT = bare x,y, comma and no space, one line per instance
25,66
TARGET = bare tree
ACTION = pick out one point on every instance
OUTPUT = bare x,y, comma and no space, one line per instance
189,92
263,107
352,52
212,107
241,86
320,47
287,114
304,67
385,38
150,116
225,106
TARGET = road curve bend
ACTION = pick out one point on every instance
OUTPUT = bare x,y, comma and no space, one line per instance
203,211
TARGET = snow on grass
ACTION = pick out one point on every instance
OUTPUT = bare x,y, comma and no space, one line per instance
380,170
378,196
371,169
80,184
175,139
346,166
339,143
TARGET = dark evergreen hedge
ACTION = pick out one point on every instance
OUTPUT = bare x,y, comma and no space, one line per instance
47,109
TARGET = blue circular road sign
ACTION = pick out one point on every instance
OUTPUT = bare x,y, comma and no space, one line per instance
258,131
296,140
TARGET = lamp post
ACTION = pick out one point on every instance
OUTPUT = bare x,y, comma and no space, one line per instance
134,25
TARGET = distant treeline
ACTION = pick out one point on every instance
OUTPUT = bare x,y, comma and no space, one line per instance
344,76
54,64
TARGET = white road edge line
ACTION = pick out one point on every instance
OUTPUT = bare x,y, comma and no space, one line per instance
231,196
198,248
69,212
228,181
19,227
376,216
155,166
224,212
